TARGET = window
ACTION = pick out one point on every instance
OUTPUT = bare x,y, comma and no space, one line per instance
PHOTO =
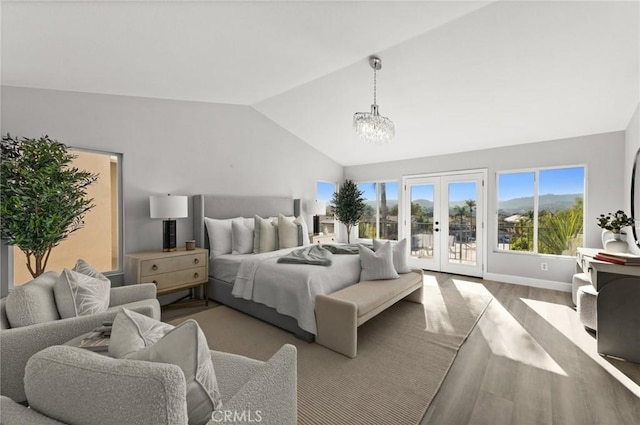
380,218
324,193
541,211
98,241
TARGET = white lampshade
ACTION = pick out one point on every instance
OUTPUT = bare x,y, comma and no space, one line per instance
169,206
320,208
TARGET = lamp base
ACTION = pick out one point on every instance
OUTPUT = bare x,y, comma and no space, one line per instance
168,235
316,224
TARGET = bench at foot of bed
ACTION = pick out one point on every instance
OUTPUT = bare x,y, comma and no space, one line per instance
339,314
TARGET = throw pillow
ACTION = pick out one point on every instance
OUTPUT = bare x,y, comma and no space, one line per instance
86,268
32,302
400,254
219,232
287,232
265,235
186,347
77,294
241,238
377,265
133,331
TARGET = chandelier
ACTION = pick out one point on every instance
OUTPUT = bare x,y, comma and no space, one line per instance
372,127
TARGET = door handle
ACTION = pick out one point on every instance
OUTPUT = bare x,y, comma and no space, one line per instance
436,230
436,223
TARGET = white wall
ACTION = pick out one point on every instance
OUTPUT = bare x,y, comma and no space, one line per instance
632,144
602,154
182,148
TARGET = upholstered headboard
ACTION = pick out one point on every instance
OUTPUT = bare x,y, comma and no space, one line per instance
217,206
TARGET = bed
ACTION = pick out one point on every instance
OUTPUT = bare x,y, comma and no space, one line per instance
273,282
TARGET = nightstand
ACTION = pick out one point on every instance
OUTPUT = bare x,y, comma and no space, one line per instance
170,271
328,238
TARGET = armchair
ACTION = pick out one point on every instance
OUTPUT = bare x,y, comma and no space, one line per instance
17,345
68,385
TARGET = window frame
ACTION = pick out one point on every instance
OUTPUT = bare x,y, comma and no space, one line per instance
536,193
336,187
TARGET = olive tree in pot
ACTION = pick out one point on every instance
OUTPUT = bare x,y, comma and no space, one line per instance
348,205
43,198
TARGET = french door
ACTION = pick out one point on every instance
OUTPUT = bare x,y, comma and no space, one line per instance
444,222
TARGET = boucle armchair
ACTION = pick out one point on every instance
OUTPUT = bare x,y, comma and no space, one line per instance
18,344
68,385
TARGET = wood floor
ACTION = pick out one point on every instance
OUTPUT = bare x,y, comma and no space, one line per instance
529,360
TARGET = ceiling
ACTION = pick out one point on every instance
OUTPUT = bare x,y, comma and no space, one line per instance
456,76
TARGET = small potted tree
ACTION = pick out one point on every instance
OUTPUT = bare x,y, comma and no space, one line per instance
43,199
348,205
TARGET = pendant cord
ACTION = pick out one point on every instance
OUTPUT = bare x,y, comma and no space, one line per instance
374,86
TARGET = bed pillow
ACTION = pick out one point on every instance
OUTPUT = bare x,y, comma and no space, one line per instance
219,232
399,254
186,346
303,231
241,238
288,235
377,265
78,294
265,235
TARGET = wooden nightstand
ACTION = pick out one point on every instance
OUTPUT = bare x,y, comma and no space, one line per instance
328,238
170,271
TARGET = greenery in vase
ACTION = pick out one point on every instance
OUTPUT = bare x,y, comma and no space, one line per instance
43,199
348,205
614,221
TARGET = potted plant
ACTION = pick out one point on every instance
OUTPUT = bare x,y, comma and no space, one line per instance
612,225
348,205
43,199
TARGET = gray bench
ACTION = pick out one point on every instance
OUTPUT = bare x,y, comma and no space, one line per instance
339,314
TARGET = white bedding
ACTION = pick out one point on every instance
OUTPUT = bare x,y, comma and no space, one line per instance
225,267
292,288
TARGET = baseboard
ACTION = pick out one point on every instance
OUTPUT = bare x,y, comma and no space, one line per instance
527,281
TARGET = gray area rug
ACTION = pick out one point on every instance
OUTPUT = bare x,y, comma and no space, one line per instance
404,355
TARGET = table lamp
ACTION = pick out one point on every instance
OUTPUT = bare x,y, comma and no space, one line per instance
320,208
168,208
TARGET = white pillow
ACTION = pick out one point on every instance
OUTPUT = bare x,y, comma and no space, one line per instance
304,229
287,232
241,238
186,346
377,265
133,331
219,232
399,253
87,269
77,294
265,235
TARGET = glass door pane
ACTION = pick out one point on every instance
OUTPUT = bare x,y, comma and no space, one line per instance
422,201
461,240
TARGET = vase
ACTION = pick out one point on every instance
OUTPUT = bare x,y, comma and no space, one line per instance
612,242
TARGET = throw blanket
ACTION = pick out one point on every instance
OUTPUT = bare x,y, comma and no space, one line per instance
351,249
313,254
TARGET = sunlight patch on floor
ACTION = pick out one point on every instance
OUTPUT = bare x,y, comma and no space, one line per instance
506,337
566,321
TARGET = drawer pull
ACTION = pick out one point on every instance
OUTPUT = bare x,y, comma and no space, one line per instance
155,282
196,275
154,267
196,261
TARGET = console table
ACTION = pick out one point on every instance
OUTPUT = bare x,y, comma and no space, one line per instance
617,305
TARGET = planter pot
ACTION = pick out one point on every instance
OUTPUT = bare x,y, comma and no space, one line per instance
612,242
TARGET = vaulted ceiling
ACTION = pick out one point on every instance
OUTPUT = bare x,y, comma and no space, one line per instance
456,76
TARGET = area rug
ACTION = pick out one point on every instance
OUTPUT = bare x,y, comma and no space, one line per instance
403,356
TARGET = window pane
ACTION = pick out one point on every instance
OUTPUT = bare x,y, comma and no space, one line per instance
560,210
462,223
422,199
515,211
367,226
324,193
388,210
97,241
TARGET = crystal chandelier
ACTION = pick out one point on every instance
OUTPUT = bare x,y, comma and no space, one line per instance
372,127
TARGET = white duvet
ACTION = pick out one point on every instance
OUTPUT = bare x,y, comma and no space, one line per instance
292,288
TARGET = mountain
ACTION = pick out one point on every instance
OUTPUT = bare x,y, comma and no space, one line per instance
546,202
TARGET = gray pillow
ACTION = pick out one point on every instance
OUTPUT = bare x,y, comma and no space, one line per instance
377,265
87,269
33,302
399,253
133,331
186,347
241,238
78,294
